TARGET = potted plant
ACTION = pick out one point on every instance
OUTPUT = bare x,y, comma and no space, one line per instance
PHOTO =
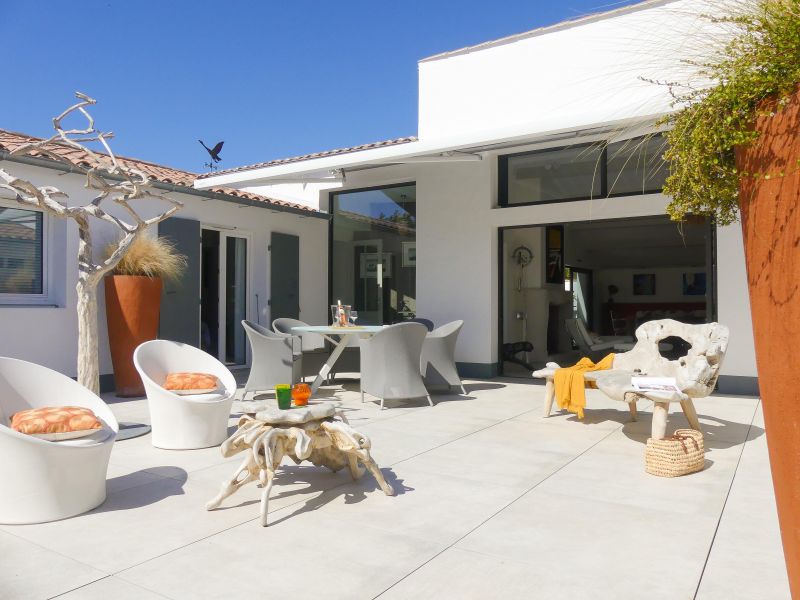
133,303
734,150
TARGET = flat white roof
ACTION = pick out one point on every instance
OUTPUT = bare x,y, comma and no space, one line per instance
461,148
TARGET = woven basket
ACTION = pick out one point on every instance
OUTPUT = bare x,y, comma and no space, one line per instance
680,454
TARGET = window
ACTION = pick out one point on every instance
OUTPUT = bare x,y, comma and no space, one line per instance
583,171
21,254
374,252
636,166
551,175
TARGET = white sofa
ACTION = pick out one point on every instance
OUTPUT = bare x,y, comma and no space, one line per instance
43,480
184,422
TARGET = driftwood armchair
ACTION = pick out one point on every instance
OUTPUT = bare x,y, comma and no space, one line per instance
695,374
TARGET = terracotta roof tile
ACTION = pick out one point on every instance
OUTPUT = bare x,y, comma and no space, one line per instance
10,141
313,155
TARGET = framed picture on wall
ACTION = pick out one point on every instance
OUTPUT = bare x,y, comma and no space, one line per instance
694,284
644,284
554,244
409,254
369,264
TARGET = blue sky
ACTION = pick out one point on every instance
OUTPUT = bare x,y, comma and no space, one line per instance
271,79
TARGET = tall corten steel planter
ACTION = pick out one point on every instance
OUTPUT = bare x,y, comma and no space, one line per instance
133,304
770,209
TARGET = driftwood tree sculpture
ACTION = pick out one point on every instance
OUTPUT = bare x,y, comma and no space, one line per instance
111,180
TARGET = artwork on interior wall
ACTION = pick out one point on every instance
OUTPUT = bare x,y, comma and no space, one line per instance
409,254
554,240
694,284
369,265
644,284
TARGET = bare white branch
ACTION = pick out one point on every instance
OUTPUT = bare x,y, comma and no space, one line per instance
111,179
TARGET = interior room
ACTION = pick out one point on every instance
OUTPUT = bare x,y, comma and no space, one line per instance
611,275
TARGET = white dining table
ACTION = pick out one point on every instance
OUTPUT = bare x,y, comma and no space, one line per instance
340,337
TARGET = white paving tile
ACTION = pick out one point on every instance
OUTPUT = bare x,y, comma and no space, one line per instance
495,501
111,588
308,556
29,571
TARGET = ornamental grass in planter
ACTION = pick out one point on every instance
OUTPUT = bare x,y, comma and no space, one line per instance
133,304
734,151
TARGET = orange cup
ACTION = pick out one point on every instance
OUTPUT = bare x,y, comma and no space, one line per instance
301,392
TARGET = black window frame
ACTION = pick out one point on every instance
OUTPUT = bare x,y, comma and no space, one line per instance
502,176
331,196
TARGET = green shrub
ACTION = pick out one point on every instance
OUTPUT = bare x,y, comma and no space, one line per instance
759,64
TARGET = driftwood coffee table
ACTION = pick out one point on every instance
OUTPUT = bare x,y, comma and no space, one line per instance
317,433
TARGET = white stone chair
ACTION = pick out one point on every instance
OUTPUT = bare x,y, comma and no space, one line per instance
184,422
390,363
438,360
695,374
42,480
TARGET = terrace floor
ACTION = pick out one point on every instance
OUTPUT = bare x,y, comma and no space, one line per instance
493,501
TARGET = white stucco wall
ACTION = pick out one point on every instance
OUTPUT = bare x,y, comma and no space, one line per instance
733,305
457,251
48,335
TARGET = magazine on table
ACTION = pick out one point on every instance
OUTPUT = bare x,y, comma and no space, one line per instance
654,384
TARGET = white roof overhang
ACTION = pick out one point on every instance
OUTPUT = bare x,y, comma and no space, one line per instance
457,148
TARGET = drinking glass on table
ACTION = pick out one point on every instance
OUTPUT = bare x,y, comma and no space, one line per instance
354,316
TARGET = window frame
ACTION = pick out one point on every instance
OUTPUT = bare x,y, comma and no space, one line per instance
7,299
331,205
502,175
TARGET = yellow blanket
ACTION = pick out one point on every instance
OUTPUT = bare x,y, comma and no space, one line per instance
570,384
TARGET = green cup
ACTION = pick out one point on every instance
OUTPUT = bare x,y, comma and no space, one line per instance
283,392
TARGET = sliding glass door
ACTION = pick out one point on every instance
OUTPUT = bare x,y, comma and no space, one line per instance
374,252
223,295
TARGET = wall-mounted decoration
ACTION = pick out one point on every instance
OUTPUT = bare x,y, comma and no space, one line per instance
409,254
694,284
644,284
554,240
369,265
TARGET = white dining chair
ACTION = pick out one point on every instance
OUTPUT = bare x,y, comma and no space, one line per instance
390,363
438,359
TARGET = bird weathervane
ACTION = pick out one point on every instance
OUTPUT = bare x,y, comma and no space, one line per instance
213,153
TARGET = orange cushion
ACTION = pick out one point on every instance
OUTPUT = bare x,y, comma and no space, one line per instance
55,419
191,383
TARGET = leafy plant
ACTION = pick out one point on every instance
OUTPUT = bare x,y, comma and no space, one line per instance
753,75
150,257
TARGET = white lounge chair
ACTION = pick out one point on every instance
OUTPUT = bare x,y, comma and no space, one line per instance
390,363
438,361
594,348
184,422
42,480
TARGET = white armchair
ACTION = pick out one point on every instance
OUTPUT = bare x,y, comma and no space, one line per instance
184,422
42,480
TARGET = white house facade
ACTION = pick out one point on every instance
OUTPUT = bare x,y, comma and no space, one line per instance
543,143
229,237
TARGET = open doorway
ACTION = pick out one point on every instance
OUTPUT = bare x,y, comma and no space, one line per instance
612,275
223,295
